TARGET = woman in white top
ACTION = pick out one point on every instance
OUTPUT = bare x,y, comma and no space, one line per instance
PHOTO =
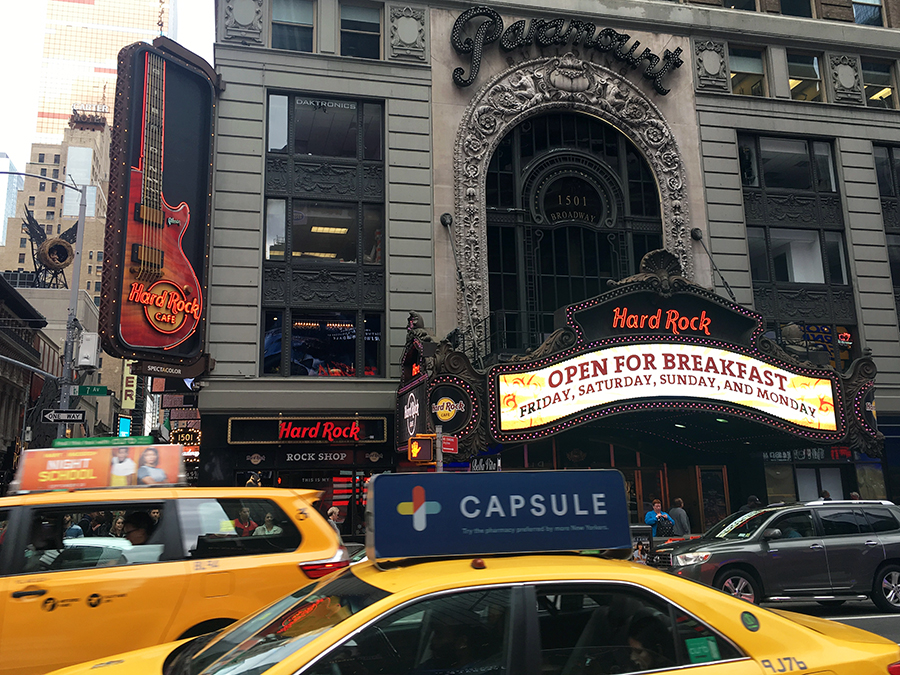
268,527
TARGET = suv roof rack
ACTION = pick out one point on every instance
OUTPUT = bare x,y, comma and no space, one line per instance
826,502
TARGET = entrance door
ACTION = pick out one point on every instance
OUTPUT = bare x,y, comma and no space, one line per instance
811,481
713,482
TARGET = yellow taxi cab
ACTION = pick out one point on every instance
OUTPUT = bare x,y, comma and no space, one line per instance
456,583
85,573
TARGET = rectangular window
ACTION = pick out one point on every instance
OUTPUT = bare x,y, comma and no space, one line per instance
41,157
759,259
51,201
804,75
88,286
323,344
747,75
797,8
31,201
372,132
275,220
746,5
324,231
56,159
52,187
867,12
824,167
878,81
50,215
90,269
21,258
292,25
835,259
373,349
278,123
785,163
217,528
883,171
361,31
56,173
90,255
43,187
325,127
23,243
796,256
49,229
43,172
273,326
99,256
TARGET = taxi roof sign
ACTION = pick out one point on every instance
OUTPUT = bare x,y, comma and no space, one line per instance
459,514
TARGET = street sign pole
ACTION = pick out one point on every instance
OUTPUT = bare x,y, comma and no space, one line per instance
438,450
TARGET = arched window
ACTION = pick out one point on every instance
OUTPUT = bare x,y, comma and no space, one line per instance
571,204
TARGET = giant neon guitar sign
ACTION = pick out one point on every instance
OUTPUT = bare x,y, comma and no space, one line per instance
163,287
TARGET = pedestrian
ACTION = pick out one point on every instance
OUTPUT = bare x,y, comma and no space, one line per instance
333,513
825,496
254,480
752,504
854,496
680,518
660,520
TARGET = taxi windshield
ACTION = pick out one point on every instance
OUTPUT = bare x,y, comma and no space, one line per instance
739,525
284,627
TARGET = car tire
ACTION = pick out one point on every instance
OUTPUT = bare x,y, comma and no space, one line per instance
886,589
740,584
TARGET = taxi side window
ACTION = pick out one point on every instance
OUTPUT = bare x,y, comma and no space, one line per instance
217,528
62,539
460,633
609,629
795,525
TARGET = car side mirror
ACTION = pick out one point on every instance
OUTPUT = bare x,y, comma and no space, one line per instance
771,533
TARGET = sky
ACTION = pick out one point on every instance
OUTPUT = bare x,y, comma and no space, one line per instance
21,38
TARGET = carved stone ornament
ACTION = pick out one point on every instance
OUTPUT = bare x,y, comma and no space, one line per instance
244,20
712,74
556,84
407,33
845,79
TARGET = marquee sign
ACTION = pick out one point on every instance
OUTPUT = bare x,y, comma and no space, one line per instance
615,376
154,282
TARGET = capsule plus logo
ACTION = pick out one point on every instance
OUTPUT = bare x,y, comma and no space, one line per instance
418,508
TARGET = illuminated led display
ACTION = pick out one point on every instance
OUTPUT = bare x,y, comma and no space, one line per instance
627,374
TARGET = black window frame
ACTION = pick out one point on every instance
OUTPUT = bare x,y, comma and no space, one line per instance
759,89
800,79
350,34
284,30
357,183
866,68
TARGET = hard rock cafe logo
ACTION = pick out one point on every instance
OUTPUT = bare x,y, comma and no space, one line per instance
446,408
165,305
373,456
256,458
411,413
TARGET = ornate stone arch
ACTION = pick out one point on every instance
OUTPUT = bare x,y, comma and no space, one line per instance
536,87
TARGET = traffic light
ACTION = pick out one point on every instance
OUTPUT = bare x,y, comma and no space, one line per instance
421,449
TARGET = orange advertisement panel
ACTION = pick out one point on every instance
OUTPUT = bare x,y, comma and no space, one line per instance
98,467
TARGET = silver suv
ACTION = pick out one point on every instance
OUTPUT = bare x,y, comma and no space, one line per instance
827,551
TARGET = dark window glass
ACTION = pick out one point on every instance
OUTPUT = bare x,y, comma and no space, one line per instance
50,215
40,157
217,528
325,127
459,633
746,5
372,131
883,171
836,522
23,243
323,344
759,259
31,201
825,181
373,234
51,201
893,247
882,519
53,187
796,8
622,629
22,259
747,74
55,173
878,81
292,25
374,349
834,254
361,31
325,231
273,324
748,161
294,38
43,172
56,159
43,186
785,163
867,14
795,525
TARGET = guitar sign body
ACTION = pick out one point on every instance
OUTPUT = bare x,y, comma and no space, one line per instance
161,295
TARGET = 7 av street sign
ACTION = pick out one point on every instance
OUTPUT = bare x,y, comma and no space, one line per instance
55,416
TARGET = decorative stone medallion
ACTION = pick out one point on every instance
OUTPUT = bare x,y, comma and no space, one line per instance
845,79
407,33
712,73
243,20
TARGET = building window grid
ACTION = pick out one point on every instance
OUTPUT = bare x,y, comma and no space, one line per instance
879,83
868,13
805,77
293,25
283,326
747,66
361,30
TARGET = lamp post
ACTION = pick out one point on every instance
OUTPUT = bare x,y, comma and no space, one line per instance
71,319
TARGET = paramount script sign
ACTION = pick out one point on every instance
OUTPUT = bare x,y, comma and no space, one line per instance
556,31
625,374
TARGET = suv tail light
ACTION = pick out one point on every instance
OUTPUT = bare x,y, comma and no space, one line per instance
317,570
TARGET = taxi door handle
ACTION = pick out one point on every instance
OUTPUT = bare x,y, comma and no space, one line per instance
871,543
816,547
25,594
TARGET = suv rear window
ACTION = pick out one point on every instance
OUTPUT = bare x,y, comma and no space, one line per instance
218,528
836,522
882,519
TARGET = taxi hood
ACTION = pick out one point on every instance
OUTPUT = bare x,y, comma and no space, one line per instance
833,629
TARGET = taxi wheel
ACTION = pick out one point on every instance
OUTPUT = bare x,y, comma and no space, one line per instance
738,583
886,589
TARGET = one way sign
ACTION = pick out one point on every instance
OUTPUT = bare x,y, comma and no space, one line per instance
54,416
